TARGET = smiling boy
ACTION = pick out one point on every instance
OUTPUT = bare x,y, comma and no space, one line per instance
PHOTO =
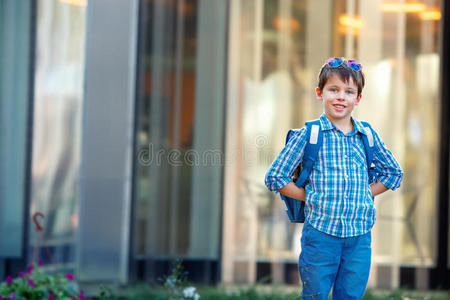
339,208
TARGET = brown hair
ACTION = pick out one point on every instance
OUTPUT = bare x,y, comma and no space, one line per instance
344,72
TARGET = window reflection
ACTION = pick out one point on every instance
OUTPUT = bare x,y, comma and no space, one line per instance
56,137
180,128
167,77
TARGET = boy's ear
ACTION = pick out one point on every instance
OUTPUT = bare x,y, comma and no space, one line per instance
318,93
358,99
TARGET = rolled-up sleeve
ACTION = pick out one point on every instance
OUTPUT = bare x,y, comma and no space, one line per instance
388,168
284,165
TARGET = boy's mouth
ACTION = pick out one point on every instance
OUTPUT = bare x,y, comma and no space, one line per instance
339,107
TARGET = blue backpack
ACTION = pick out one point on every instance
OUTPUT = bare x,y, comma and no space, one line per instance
295,208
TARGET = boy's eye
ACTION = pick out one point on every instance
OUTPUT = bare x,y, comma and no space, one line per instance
350,92
333,90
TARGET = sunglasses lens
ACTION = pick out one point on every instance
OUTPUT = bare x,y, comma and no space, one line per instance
335,62
354,65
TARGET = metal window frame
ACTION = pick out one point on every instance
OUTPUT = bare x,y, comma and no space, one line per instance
440,274
9,265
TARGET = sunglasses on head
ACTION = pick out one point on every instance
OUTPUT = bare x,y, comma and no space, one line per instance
335,62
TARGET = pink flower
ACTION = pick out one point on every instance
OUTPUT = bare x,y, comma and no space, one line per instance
22,274
31,282
30,269
40,262
81,294
8,280
51,296
69,276
73,298
12,296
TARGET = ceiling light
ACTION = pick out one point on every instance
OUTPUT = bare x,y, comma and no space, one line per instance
355,22
434,15
405,7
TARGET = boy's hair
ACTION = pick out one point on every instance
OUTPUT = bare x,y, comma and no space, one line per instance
344,72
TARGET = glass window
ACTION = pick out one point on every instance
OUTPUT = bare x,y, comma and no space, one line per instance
167,81
56,129
180,129
276,50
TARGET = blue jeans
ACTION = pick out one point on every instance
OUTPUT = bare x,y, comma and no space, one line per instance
327,261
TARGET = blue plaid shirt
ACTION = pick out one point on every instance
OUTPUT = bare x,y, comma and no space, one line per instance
338,197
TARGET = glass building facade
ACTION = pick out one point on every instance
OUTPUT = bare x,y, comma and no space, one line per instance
142,131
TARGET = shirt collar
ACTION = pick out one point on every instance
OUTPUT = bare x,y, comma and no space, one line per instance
326,124
358,126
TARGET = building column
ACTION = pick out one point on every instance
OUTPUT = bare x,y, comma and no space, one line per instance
107,141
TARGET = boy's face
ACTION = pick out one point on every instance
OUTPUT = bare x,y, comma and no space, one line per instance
339,98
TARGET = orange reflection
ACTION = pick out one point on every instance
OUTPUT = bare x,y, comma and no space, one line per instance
283,23
74,220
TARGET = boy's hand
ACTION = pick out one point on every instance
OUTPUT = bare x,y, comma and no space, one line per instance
292,191
377,188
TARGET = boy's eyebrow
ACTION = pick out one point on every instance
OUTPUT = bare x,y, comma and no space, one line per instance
337,86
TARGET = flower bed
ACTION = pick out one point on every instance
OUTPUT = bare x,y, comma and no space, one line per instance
35,284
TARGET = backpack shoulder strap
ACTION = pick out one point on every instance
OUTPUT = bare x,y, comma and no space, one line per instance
314,142
295,208
369,146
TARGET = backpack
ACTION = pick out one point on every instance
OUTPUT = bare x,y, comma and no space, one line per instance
295,208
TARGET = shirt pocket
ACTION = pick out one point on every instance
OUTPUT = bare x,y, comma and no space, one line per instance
359,157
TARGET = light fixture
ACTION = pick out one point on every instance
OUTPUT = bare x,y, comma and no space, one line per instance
75,2
353,22
433,15
412,7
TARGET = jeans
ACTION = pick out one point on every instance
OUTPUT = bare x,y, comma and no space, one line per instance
327,261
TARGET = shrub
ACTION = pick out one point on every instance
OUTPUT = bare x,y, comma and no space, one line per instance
34,284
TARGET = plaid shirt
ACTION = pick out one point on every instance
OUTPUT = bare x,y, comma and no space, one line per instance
338,197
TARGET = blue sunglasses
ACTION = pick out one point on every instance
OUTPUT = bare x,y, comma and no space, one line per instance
335,62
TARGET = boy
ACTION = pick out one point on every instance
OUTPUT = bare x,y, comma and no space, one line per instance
339,209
